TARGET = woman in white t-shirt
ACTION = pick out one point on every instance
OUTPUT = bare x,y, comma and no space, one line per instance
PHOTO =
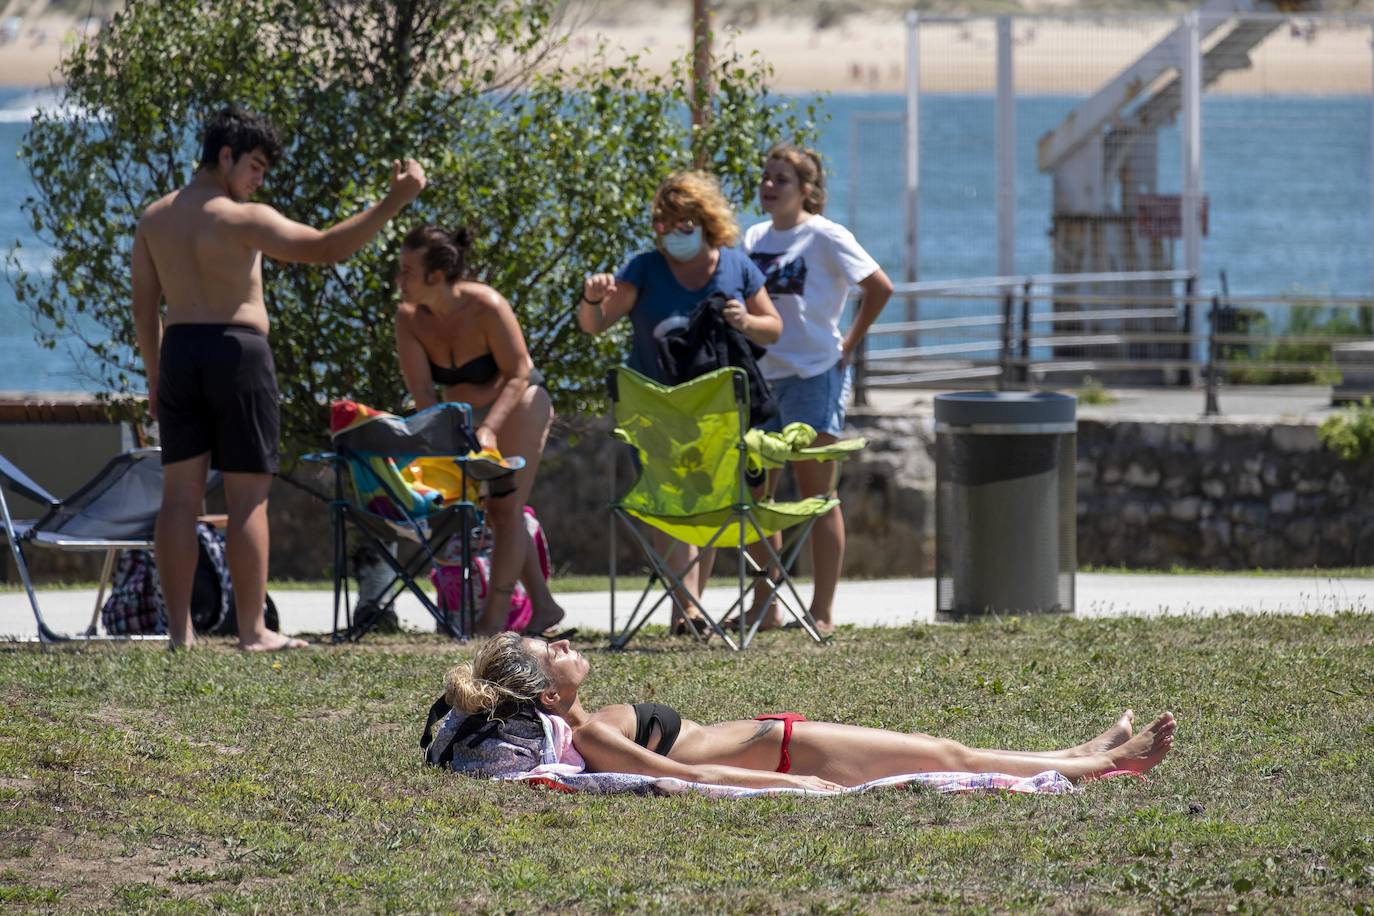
809,264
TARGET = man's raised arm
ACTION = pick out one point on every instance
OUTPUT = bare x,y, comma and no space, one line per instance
283,239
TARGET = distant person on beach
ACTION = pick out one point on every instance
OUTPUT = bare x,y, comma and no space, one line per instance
810,263
462,336
212,384
659,289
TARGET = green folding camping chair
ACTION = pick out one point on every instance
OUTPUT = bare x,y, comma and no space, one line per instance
691,444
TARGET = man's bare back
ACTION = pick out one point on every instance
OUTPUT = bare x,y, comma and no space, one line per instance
209,271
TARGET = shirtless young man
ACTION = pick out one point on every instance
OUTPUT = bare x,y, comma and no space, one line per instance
212,385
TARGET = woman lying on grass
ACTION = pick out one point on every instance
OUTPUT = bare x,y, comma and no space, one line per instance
510,673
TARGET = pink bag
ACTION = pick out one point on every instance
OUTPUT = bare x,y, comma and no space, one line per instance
447,574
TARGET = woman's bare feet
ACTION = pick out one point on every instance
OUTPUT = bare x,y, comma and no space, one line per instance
273,642
1143,751
1118,734
495,610
772,619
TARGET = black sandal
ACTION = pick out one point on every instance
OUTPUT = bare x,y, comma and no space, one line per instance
690,626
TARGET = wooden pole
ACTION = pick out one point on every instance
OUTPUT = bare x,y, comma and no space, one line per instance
701,75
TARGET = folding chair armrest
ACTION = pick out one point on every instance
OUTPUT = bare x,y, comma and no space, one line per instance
841,450
24,485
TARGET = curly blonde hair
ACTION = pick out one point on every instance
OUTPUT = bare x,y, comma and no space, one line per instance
807,164
503,677
697,196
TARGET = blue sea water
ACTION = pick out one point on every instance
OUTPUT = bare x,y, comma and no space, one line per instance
1288,180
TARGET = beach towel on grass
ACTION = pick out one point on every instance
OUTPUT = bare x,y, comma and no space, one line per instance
536,749
1046,783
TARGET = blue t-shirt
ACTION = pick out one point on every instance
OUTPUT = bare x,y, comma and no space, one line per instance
663,304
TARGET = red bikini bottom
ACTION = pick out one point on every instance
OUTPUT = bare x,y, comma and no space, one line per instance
786,718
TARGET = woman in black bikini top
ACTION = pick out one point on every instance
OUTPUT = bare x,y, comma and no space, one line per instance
782,749
462,337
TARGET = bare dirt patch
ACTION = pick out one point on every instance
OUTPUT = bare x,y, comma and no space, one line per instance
87,867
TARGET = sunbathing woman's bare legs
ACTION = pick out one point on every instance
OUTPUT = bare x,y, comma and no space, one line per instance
851,755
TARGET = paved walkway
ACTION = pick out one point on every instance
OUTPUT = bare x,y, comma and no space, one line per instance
1238,403
886,602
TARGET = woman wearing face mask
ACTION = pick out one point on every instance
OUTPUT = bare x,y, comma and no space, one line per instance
462,337
810,264
692,258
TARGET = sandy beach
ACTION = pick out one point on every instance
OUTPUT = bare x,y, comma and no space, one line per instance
1051,55
867,53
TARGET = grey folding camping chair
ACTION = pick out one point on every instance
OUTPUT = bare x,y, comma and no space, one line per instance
115,510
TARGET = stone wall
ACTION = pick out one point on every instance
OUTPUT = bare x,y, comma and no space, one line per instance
1220,495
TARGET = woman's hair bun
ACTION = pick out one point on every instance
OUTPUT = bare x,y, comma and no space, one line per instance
442,250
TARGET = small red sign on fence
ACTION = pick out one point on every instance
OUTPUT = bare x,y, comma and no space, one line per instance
1160,216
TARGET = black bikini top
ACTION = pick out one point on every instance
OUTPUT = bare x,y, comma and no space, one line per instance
477,371
669,722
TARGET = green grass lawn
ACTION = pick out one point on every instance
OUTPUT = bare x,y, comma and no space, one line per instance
134,779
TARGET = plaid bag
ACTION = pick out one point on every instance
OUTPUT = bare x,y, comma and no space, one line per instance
135,604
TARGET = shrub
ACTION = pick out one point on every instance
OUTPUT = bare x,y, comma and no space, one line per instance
1350,432
1305,320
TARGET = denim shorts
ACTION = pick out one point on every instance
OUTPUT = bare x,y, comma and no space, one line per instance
818,401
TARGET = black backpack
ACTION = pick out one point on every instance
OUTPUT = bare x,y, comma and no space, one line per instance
481,744
213,611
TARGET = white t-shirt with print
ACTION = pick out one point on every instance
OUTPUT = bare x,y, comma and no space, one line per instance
808,270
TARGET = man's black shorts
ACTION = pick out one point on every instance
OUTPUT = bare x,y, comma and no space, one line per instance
217,393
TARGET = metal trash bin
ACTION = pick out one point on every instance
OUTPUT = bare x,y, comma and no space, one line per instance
1005,504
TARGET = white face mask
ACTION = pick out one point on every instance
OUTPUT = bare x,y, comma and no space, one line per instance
683,246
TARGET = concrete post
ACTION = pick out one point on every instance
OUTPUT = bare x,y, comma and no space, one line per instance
911,262
1190,72
1005,144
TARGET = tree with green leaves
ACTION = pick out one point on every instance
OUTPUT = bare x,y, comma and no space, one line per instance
552,166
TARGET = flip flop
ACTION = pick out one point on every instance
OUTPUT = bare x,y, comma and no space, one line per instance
696,627
552,637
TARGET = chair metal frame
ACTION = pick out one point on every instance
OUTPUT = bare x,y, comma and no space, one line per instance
749,570
19,533
431,533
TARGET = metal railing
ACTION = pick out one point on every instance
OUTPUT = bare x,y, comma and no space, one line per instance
1022,333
